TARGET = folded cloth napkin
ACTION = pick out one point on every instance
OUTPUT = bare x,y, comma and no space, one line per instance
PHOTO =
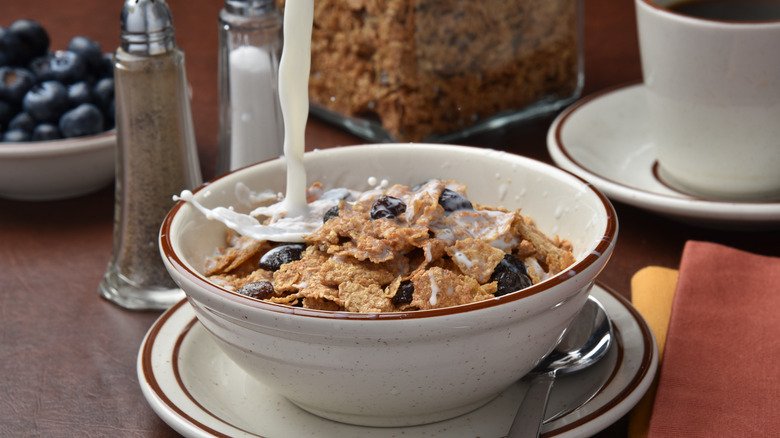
720,373
652,291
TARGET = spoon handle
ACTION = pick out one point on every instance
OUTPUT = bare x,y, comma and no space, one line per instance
529,417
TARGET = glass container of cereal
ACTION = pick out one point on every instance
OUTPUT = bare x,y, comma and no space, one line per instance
438,70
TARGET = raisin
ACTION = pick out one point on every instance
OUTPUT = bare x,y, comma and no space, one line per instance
511,275
404,293
285,253
331,213
259,289
451,201
387,207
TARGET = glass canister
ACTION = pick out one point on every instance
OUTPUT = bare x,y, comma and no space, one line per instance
438,70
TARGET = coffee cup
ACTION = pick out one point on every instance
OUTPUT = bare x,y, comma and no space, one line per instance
712,82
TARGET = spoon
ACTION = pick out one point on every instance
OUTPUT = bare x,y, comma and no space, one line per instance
586,340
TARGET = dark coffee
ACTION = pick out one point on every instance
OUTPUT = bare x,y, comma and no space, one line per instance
729,10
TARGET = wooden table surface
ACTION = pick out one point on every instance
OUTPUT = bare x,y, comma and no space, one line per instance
67,357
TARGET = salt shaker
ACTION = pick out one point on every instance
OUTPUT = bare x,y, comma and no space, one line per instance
157,155
251,127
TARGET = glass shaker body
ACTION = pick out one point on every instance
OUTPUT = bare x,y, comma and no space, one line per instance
251,127
157,158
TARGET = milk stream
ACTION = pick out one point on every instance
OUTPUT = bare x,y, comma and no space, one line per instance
292,218
294,98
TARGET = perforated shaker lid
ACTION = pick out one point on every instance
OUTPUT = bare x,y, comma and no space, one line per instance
147,27
249,8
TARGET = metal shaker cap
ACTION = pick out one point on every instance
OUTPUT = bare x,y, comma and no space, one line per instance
248,8
147,27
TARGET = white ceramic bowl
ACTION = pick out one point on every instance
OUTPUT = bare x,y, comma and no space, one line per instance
409,367
57,169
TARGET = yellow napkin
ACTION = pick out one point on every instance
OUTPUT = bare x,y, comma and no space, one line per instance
652,292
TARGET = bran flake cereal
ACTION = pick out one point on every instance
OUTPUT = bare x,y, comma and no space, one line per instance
398,249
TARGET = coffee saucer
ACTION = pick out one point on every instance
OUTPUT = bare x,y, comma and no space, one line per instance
200,392
605,139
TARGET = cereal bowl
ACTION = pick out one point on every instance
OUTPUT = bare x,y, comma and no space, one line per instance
57,169
398,368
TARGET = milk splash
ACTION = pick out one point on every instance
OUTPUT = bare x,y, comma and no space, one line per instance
281,226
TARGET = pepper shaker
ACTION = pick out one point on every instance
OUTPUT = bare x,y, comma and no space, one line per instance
251,127
157,155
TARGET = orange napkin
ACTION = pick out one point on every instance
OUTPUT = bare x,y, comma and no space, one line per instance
652,291
720,374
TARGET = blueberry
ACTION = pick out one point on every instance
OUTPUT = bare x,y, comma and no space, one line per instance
79,93
45,132
22,121
15,83
85,119
4,59
6,113
451,201
16,136
67,67
258,289
387,207
285,253
106,67
331,213
88,50
11,48
511,275
46,102
32,37
41,68
104,93
404,293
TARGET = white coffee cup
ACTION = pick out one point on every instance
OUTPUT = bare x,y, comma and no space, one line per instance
713,94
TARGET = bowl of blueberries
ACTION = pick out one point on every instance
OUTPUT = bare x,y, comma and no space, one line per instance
56,115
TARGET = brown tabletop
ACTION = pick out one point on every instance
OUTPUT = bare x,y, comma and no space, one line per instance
67,357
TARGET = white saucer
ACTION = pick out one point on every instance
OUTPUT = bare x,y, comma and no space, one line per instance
199,392
604,138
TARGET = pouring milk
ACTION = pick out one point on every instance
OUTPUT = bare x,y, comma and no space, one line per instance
292,218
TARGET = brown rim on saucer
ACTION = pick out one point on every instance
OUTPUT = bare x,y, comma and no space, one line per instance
561,146
148,371
618,363
183,387
667,181
644,368
609,236
735,23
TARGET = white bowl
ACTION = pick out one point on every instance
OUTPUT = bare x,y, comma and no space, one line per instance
57,169
401,368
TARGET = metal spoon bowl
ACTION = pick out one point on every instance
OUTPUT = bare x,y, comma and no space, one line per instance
585,342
